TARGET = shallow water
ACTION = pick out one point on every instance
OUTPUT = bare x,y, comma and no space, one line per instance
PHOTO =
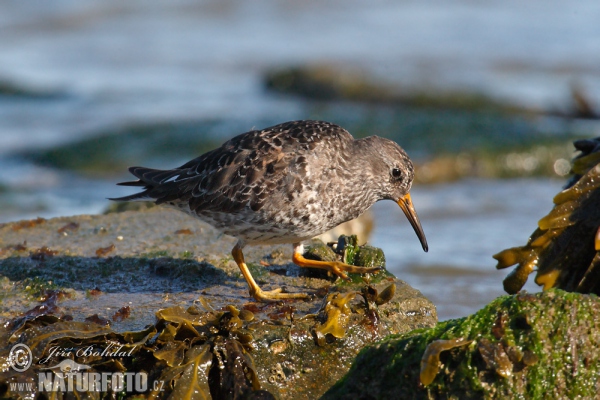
465,223
112,62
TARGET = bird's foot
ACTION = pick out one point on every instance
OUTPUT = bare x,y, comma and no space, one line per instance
335,267
338,268
274,295
255,290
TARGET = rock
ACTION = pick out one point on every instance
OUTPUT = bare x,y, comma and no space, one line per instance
521,346
335,82
109,151
165,287
15,90
441,131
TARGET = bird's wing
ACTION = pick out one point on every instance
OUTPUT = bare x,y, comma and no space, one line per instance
243,172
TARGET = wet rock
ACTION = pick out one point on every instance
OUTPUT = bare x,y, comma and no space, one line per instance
521,346
327,82
181,301
515,144
442,130
110,150
334,82
15,90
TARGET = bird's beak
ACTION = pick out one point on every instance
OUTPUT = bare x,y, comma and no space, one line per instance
406,205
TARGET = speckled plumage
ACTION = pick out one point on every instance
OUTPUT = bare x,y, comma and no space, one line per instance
283,184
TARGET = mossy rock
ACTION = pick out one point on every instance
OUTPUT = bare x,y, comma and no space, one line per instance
10,89
523,346
112,150
330,82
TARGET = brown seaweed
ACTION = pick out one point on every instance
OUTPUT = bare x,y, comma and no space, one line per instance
565,248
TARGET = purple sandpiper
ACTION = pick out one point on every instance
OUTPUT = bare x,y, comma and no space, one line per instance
285,184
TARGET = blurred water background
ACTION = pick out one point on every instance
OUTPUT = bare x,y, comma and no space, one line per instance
486,97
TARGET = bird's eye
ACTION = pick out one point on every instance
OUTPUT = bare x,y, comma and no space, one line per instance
396,173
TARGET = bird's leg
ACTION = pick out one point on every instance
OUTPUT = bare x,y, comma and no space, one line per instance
255,290
336,267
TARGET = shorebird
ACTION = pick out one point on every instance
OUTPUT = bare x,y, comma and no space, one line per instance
285,184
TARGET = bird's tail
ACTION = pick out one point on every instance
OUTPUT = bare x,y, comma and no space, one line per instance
149,179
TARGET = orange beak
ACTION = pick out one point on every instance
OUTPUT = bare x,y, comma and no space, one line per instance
406,205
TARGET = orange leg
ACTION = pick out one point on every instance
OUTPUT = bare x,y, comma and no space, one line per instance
336,267
255,290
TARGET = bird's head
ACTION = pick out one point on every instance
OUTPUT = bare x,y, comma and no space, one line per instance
393,174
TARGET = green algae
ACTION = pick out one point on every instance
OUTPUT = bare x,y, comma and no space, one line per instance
109,274
122,206
349,252
550,338
35,287
155,254
186,255
369,256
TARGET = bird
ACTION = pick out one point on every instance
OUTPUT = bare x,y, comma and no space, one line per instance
285,184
